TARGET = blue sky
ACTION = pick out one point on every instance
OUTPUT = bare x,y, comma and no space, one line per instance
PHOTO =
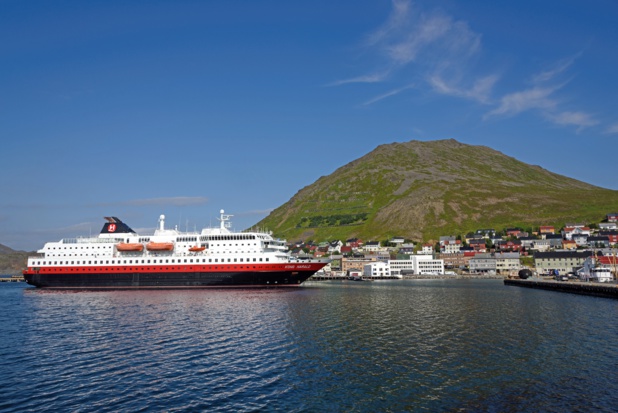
135,108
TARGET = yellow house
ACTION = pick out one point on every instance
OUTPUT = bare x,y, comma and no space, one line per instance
569,245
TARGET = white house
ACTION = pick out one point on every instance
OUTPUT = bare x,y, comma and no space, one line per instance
507,262
372,246
426,250
568,232
450,247
608,226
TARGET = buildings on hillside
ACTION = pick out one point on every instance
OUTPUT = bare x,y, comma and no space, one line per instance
483,251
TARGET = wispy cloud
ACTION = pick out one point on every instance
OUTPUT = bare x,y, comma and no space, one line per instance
169,201
541,97
256,212
517,102
370,78
438,52
434,44
579,119
556,69
480,90
612,129
386,95
397,19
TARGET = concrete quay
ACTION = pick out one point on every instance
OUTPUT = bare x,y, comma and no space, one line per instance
583,288
11,278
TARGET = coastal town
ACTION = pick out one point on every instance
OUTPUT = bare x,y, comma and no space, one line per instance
577,251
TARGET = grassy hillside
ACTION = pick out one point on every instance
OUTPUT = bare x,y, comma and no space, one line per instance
421,190
12,262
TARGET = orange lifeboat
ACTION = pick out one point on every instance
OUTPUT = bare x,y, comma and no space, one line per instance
160,246
197,249
128,247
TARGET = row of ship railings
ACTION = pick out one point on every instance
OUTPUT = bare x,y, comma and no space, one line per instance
84,240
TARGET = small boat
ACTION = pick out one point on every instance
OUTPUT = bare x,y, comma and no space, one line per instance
197,248
160,246
131,246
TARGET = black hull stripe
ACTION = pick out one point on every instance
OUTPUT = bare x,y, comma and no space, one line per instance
163,280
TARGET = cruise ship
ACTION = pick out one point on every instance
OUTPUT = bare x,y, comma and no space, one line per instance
119,258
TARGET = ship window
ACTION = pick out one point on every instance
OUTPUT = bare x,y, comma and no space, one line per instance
266,259
216,259
260,260
254,260
229,260
166,261
234,259
191,260
209,259
185,260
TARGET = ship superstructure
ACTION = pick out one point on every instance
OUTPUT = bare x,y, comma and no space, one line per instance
215,257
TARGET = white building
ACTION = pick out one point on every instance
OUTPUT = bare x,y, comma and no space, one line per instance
483,263
450,247
507,262
607,226
377,269
426,250
372,246
417,264
568,232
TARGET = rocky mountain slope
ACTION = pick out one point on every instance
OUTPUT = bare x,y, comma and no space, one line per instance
421,190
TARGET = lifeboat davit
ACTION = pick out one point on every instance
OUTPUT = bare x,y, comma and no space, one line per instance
124,246
197,249
160,246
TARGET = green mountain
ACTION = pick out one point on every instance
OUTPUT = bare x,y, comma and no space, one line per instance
421,190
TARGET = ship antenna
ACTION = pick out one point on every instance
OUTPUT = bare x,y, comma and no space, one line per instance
224,220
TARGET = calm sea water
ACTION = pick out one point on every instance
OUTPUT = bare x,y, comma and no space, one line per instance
390,346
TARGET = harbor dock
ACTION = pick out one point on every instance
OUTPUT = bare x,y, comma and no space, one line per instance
11,278
584,288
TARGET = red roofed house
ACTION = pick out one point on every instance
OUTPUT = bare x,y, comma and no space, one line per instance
478,245
569,245
354,242
346,249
